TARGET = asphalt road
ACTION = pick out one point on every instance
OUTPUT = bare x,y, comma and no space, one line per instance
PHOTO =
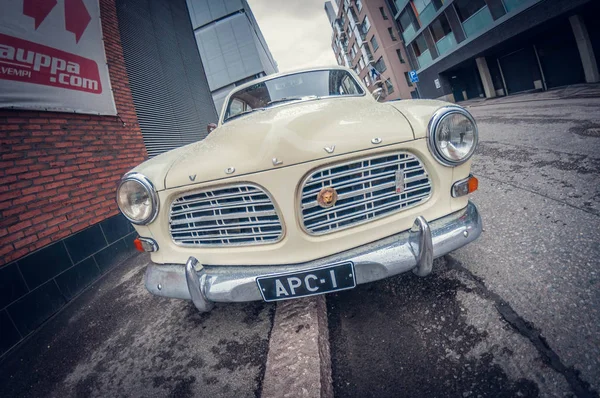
117,340
515,313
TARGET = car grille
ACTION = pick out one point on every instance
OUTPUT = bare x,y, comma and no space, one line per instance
367,190
236,215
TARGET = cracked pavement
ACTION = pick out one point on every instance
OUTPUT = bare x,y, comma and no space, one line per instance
515,313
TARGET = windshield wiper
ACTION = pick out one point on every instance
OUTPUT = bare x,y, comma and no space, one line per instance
287,99
242,114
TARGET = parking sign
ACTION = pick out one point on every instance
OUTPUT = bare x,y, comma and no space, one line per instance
413,76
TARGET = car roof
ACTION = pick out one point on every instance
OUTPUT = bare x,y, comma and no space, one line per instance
280,74
290,72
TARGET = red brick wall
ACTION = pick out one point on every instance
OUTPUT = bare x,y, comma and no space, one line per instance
59,171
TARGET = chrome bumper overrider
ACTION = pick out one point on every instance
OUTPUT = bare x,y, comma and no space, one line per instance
413,249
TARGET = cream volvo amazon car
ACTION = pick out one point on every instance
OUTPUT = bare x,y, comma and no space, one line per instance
307,186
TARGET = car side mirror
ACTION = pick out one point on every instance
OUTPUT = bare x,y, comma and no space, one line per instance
377,93
210,127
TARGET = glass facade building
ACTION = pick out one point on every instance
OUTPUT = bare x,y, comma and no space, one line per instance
463,49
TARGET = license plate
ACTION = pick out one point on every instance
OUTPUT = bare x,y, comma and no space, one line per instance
290,285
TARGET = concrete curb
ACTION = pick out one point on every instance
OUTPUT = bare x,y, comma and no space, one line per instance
299,361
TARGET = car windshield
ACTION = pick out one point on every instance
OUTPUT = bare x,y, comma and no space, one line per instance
295,87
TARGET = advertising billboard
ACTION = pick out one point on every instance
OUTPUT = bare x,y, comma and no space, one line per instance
52,57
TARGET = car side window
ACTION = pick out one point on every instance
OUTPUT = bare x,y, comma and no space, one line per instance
348,86
236,106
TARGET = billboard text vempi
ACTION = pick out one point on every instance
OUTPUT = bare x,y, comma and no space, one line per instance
60,48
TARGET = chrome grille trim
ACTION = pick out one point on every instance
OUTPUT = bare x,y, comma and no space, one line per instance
234,215
366,191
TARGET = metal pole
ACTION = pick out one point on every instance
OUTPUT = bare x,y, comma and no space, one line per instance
502,75
540,66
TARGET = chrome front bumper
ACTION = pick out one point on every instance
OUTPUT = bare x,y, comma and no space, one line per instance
413,249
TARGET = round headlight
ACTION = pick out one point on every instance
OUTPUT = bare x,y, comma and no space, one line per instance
137,199
453,135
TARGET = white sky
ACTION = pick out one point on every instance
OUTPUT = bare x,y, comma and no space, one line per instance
297,32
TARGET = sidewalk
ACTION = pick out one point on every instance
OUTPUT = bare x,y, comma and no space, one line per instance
116,339
591,90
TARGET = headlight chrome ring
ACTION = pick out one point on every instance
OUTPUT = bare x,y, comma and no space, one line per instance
149,188
432,132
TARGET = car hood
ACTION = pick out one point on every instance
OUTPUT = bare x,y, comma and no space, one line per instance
291,133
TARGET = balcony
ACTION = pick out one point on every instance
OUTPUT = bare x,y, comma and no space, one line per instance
512,4
477,22
409,33
347,61
358,35
424,59
338,27
446,43
427,14
367,55
400,4
352,18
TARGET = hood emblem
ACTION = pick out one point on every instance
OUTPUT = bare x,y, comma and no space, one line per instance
376,141
399,177
277,162
193,178
329,149
230,170
327,197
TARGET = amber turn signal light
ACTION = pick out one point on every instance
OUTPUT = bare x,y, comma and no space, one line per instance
465,186
473,184
145,244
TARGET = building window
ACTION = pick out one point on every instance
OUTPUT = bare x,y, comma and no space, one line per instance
422,52
408,23
383,14
420,45
389,86
394,7
365,25
380,65
440,28
361,63
356,70
374,43
442,35
467,8
366,80
352,16
391,32
359,5
425,9
400,57
367,52
408,82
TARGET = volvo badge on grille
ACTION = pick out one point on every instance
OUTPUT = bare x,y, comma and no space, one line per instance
327,197
399,181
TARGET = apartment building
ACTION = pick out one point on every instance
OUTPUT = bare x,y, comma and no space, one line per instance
465,49
231,45
365,39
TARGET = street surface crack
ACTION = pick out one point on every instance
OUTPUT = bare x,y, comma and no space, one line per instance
553,151
540,194
581,388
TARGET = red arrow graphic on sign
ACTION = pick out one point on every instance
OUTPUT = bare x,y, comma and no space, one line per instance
77,17
38,9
